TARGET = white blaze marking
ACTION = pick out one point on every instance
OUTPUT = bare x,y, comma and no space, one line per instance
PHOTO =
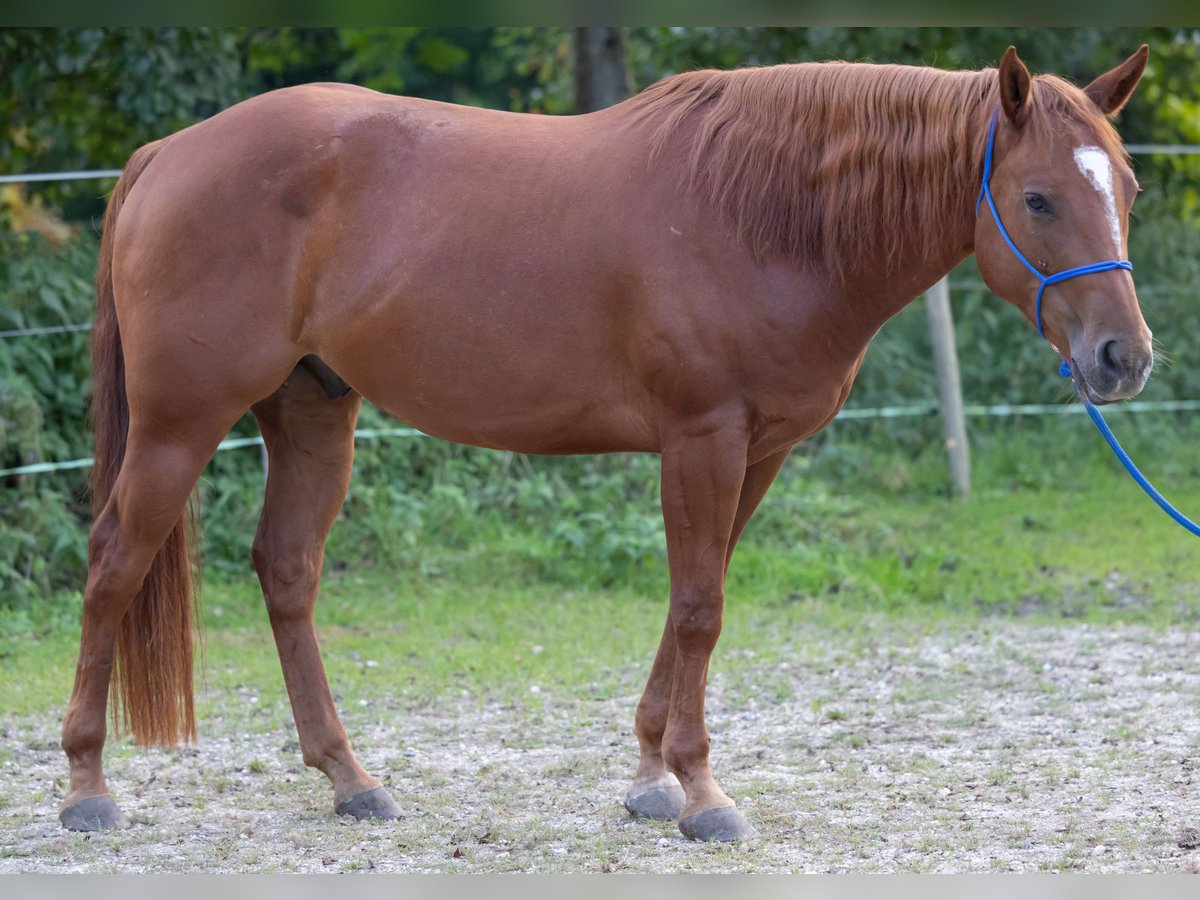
1097,167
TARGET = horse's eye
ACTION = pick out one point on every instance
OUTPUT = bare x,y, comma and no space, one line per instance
1037,203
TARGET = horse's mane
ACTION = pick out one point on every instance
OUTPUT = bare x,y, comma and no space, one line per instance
807,160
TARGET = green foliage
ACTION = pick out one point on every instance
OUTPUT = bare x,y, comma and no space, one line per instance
429,510
542,55
821,556
504,68
85,98
44,386
422,506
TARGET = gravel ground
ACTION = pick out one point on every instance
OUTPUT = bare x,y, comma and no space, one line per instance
1010,747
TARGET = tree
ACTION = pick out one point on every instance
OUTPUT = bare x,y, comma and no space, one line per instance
602,76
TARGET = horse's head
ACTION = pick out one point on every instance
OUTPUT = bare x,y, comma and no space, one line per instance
1062,189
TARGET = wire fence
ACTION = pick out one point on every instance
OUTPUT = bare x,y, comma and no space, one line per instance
882,412
926,410
85,175
45,330
230,444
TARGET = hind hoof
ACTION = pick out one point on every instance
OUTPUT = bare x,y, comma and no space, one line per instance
724,823
373,804
98,813
662,800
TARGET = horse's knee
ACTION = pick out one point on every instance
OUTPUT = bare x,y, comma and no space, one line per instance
288,577
696,618
261,555
281,563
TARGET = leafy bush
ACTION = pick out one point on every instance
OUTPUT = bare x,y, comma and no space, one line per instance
45,382
424,507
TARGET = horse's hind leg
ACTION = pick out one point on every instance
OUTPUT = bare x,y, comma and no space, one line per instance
157,476
656,792
310,442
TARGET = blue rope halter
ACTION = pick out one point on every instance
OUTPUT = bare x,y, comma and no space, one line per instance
985,193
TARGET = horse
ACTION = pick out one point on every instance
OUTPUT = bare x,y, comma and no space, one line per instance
695,272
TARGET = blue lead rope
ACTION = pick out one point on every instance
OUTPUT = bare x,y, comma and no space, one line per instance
1134,472
985,193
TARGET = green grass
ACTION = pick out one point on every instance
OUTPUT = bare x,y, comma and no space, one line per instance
486,623
486,633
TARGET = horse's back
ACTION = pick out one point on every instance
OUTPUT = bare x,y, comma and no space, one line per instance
532,283
454,264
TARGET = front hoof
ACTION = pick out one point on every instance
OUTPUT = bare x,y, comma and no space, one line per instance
662,800
724,823
376,803
97,813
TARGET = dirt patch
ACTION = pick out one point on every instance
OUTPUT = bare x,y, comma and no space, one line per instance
1005,748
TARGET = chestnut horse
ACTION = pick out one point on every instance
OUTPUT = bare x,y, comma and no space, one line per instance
695,272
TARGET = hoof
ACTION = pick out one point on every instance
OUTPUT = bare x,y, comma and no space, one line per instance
724,823
660,801
98,813
373,804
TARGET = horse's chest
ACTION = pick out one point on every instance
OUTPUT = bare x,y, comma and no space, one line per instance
798,399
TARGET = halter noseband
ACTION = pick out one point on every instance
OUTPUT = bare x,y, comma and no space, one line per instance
985,192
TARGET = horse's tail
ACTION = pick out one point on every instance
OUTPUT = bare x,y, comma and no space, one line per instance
152,677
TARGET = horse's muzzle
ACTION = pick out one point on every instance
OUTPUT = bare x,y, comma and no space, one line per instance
1117,368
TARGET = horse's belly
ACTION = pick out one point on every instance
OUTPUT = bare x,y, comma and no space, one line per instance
549,414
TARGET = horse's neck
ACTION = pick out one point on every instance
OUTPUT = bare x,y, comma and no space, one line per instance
916,193
892,273
882,284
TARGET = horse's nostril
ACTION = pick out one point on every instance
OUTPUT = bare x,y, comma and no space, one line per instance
1111,357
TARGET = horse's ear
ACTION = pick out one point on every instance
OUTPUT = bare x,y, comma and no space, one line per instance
1112,89
1014,87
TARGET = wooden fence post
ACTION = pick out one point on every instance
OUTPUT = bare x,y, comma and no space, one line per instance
945,358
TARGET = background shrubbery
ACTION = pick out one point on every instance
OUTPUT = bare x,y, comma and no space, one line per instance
88,97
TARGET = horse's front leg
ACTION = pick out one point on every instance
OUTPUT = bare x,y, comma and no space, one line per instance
703,472
655,792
